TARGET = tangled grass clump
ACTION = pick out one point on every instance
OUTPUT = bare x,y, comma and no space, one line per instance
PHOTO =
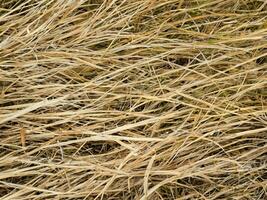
133,99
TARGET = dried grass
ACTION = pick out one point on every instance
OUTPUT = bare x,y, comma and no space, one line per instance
133,99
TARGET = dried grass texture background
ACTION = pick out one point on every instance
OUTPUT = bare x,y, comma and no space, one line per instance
133,99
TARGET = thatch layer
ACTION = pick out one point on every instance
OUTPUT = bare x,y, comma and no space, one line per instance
136,99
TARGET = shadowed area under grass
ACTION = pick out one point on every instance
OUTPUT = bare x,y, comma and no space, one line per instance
133,99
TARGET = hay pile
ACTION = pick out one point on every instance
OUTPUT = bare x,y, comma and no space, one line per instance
133,99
